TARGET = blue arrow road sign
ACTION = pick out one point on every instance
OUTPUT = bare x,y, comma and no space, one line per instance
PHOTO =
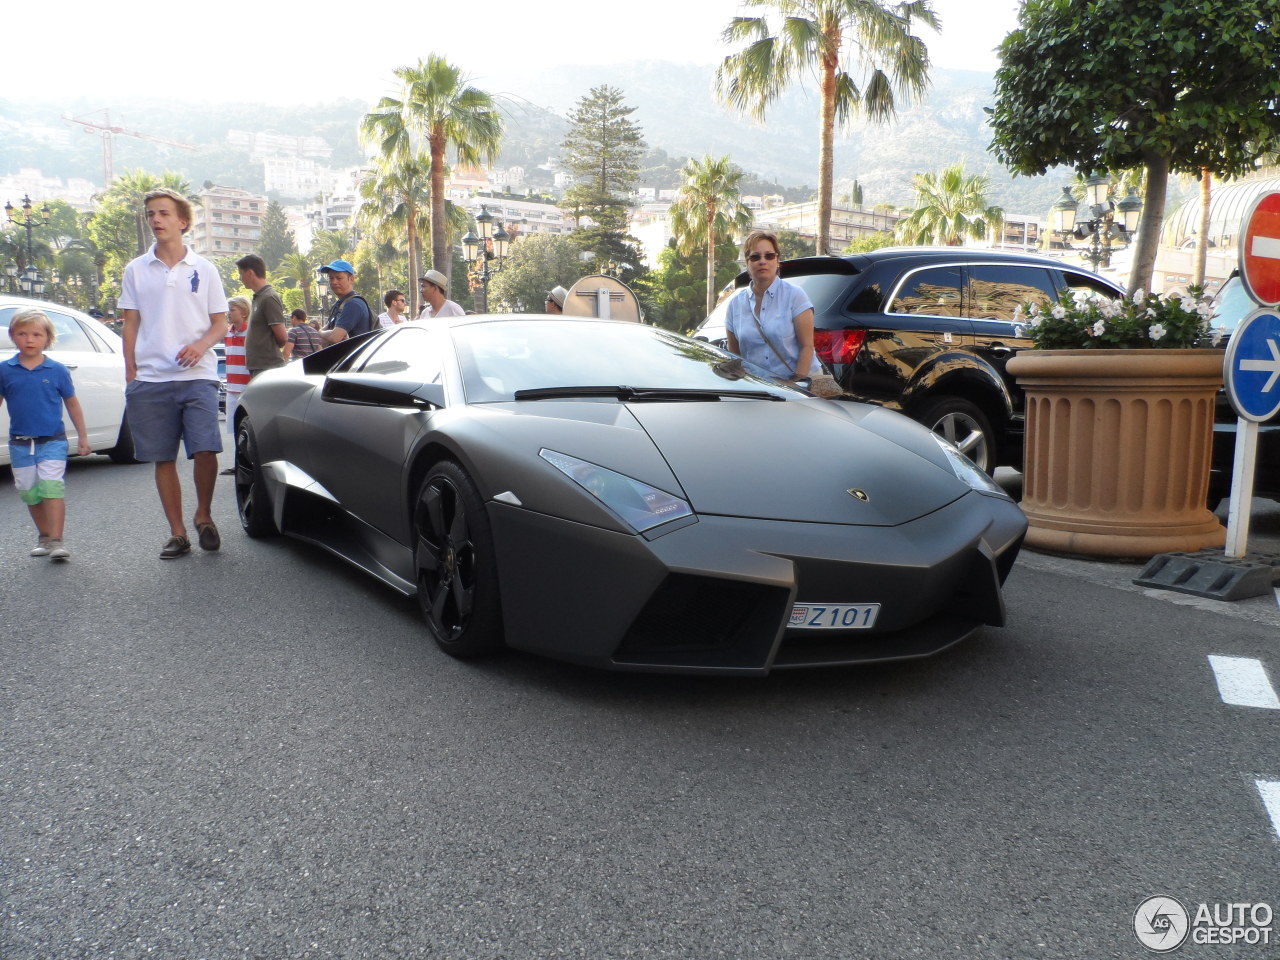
1251,369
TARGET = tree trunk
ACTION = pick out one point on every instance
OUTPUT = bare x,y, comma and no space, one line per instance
711,266
414,305
826,159
440,259
1202,235
1148,242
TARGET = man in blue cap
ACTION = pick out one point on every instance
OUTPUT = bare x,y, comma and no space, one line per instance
351,315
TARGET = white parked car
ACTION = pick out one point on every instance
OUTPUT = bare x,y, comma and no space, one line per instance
95,356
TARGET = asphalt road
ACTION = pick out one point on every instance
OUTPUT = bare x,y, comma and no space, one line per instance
259,753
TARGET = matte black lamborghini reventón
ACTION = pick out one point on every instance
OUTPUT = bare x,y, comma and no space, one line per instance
617,495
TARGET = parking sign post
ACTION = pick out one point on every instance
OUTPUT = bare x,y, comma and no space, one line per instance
1251,376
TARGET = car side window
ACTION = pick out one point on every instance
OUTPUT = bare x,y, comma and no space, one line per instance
409,354
1084,286
70,335
995,290
934,292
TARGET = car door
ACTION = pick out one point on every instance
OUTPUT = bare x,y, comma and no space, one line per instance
922,318
97,371
993,291
356,448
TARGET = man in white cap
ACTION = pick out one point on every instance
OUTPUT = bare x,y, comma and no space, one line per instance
555,299
434,287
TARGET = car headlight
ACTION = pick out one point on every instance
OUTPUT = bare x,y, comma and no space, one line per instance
967,470
638,505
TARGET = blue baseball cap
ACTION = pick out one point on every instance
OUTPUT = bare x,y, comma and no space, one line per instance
339,266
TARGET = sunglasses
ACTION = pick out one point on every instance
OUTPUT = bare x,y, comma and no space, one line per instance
757,257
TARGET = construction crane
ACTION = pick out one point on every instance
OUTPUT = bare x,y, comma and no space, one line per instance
109,132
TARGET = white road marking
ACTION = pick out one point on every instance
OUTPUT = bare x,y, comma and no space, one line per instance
1270,791
1242,681
1266,247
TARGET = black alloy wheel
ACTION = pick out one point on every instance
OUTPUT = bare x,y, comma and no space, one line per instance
456,568
252,502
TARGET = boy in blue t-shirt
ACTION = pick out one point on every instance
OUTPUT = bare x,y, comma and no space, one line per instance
36,388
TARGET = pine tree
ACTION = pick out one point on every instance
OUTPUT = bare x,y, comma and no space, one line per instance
602,151
276,241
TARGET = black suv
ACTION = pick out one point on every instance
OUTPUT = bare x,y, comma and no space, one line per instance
927,331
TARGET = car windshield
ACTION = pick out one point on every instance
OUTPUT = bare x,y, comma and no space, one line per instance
560,358
1231,305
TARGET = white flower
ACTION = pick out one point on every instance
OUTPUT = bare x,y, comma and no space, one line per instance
1149,313
1099,328
1139,298
1059,311
1017,314
1156,331
1188,304
1110,308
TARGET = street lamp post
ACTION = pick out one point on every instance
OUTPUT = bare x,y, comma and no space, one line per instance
32,283
29,220
1103,229
493,244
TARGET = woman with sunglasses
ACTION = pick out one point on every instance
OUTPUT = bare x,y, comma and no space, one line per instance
770,323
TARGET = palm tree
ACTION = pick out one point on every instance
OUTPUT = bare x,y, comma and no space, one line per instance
298,268
129,189
950,208
708,204
330,245
395,197
827,38
437,108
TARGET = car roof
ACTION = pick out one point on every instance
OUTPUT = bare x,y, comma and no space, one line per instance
855,263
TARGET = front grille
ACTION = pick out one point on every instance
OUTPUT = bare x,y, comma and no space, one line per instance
703,621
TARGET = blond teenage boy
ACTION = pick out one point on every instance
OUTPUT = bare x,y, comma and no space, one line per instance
175,310
37,388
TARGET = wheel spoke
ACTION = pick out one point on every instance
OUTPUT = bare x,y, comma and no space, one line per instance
463,596
437,610
433,506
428,556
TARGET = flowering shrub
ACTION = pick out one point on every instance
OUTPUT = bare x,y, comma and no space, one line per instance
1140,321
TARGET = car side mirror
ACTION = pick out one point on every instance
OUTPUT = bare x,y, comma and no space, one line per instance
371,390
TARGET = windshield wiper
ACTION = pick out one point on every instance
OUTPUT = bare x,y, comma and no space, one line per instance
643,393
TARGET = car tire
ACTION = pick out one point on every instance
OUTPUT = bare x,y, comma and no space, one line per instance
253,503
456,569
122,452
966,426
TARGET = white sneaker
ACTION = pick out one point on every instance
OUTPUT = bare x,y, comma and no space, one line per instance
42,548
57,551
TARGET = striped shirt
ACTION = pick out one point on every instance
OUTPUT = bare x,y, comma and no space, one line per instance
237,368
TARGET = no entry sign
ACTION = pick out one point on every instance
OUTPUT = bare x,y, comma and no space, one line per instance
1260,250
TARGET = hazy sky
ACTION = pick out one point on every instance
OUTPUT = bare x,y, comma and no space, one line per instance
295,53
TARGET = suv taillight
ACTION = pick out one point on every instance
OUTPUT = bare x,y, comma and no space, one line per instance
838,346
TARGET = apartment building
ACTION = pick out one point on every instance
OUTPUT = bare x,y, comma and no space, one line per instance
228,222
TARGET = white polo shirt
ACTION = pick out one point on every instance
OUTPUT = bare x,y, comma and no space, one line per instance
174,306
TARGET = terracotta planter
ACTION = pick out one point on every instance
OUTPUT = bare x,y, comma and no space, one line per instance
1118,450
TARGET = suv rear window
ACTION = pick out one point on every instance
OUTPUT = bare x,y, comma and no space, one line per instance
824,289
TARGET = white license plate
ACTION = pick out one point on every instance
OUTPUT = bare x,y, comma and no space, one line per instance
834,616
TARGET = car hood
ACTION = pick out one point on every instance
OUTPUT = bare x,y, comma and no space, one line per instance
806,461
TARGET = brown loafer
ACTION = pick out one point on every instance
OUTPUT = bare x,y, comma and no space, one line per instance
175,547
209,539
